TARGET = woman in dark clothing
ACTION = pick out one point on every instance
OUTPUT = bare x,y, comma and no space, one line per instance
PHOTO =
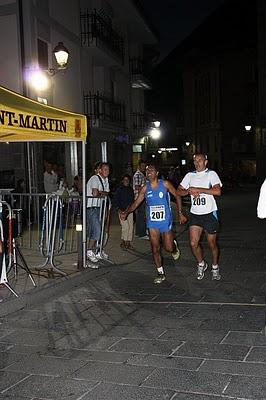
21,201
124,197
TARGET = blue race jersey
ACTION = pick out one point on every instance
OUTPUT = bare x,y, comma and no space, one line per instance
158,210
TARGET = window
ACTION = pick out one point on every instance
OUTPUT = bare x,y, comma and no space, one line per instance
42,54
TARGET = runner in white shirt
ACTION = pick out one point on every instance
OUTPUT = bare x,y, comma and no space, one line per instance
261,207
202,185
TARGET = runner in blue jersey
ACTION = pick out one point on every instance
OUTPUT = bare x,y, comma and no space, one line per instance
159,217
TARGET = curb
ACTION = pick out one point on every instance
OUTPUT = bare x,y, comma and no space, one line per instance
48,290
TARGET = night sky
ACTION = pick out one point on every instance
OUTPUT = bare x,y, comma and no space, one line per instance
176,19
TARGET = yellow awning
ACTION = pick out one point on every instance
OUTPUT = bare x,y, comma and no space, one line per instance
26,120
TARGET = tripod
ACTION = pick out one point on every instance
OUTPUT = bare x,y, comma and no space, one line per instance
17,255
14,253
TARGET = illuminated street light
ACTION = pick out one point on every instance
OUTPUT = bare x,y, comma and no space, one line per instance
61,55
248,128
38,80
157,124
155,133
187,143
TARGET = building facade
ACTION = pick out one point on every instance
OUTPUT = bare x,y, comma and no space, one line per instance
104,78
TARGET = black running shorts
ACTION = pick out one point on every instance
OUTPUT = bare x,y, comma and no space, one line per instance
209,222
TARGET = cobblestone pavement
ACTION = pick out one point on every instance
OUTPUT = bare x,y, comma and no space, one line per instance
112,334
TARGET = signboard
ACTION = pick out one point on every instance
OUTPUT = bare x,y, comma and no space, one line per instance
23,119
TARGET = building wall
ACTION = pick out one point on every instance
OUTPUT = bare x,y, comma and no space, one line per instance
89,69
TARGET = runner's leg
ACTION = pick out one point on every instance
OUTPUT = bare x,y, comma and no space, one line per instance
155,246
211,238
168,241
194,237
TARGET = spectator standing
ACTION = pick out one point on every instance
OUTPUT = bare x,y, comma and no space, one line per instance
21,201
50,178
139,181
124,197
97,187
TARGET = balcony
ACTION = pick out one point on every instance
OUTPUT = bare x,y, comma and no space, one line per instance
138,74
141,123
104,112
97,32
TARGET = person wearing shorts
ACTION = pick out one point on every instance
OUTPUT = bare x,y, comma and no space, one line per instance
158,216
202,185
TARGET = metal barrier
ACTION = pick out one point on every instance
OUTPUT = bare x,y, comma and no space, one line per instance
32,206
10,251
48,224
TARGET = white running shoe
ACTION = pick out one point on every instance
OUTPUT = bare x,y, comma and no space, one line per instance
176,252
216,274
102,256
91,256
146,237
159,279
200,271
92,265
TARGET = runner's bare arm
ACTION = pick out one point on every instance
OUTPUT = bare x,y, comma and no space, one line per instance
174,192
133,206
182,191
215,190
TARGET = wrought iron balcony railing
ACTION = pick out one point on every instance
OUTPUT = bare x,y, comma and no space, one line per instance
139,73
141,123
98,31
103,110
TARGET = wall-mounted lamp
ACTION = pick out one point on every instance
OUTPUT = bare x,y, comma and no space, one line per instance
248,128
39,79
61,54
157,124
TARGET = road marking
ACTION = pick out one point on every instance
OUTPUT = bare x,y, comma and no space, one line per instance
175,302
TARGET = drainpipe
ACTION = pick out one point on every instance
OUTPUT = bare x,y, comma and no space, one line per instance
24,88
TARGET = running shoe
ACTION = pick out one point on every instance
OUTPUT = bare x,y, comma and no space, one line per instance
102,256
200,271
91,256
176,252
91,265
159,279
216,274
146,237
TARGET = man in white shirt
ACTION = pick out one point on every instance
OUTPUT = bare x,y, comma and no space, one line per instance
202,185
261,208
97,187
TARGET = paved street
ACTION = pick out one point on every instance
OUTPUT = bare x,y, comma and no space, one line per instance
112,334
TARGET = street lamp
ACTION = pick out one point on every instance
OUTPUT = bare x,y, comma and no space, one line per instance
248,128
39,79
157,124
61,55
155,133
